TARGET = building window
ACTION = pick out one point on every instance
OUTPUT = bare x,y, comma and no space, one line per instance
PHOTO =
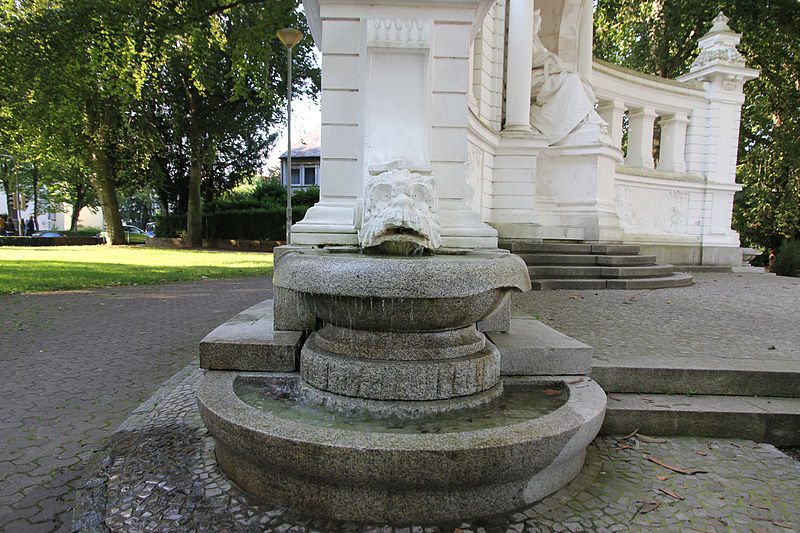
304,176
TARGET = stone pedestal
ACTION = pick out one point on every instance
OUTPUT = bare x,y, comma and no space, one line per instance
395,82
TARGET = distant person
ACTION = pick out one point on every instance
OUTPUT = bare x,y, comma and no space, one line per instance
31,227
2,225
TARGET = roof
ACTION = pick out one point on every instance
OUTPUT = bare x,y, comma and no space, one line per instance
307,146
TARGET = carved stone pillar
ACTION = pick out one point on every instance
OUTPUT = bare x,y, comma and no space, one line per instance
613,112
640,138
519,65
673,143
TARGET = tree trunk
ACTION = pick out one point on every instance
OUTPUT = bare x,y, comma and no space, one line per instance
35,196
103,178
77,205
194,219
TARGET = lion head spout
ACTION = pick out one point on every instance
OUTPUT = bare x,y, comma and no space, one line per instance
399,212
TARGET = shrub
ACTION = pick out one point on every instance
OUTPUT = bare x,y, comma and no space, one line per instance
787,262
170,225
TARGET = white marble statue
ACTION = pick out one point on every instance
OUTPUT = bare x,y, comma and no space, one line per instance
561,100
399,212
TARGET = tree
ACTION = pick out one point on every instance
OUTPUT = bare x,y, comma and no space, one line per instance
660,38
72,71
219,90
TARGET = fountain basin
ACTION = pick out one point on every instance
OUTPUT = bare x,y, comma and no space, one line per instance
396,293
394,477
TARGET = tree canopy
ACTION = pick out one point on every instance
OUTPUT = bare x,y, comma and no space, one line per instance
661,38
174,96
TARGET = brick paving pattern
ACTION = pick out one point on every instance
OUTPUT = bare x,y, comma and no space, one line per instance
76,364
162,476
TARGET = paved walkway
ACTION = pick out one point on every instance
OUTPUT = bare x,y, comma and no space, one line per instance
738,317
75,364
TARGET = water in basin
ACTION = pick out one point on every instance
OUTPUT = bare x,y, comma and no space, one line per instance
279,397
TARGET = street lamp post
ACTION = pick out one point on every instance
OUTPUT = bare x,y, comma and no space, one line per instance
289,37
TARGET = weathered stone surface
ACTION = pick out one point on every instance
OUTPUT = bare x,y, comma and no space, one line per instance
435,276
409,346
532,348
431,379
399,477
499,319
249,342
291,314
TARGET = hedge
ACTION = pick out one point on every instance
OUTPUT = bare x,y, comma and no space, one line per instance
257,224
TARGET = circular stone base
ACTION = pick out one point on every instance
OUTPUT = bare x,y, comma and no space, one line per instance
400,478
377,379
396,409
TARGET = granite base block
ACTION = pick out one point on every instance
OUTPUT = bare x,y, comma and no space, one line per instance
249,342
534,349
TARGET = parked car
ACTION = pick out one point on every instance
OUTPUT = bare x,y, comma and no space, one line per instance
46,233
133,235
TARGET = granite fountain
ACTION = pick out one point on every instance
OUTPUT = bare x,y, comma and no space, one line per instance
386,381
399,411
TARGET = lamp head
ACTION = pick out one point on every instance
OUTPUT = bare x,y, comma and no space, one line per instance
289,36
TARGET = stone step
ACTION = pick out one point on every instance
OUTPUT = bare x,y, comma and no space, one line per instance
675,280
598,272
708,375
578,259
774,420
570,248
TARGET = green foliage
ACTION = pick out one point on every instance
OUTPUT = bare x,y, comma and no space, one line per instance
307,197
257,223
787,262
661,38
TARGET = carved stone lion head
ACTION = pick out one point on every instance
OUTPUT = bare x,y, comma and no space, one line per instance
400,212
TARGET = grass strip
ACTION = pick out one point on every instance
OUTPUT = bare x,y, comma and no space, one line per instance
56,268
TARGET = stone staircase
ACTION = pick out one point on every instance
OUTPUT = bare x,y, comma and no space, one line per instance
714,397
579,265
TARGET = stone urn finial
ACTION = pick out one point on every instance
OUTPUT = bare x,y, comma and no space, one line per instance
720,23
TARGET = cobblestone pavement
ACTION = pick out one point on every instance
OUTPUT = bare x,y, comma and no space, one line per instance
76,364
161,476
730,316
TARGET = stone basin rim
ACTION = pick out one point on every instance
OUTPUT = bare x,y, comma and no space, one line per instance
388,277
216,396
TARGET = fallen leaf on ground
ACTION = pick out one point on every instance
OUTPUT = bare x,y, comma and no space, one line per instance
671,494
759,506
675,468
648,507
645,438
771,347
698,452
623,447
780,524
661,478
634,432
552,392
575,381
613,398
650,400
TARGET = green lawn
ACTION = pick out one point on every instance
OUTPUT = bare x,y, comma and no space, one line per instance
55,268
